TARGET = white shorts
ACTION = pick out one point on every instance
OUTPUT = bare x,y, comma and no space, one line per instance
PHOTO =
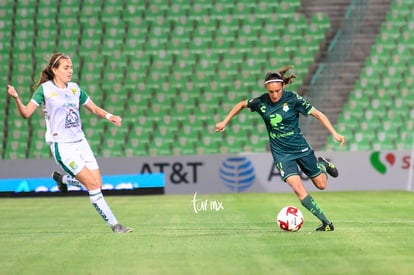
73,156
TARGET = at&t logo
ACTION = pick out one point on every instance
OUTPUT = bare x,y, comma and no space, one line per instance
237,173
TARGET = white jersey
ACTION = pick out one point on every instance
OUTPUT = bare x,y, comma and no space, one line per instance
61,106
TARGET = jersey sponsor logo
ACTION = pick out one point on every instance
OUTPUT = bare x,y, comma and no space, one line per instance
51,94
290,133
276,123
72,119
275,120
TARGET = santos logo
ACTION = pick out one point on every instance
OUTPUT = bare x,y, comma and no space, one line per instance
382,164
237,173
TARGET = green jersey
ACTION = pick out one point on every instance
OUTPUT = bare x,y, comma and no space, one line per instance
282,123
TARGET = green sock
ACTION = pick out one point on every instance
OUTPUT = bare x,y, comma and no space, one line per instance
309,203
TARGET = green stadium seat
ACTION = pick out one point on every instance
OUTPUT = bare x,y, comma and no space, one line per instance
185,149
386,144
89,10
321,20
136,146
39,149
17,140
199,10
5,31
386,109
111,11
204,50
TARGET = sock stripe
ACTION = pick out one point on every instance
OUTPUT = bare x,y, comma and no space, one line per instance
95,194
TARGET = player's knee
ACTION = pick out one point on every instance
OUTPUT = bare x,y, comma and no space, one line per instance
320,182
321,186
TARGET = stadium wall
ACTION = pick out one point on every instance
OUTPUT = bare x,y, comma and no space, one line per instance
376,170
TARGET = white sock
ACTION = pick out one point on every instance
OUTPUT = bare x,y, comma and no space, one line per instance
98,201
71,180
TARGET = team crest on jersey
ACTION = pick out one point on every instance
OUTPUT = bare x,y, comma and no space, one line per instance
72,119
74,91
73,165
285,107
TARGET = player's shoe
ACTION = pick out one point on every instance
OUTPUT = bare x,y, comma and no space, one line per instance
326,227
59,180
330,167
119,228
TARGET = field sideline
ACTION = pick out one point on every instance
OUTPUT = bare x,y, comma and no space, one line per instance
374,234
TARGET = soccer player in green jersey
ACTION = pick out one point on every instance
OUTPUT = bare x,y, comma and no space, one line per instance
280,111
61,100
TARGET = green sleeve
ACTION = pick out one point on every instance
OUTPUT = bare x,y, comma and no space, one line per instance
303,106
83,97
38,95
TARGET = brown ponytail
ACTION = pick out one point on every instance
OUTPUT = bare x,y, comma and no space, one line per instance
288,75
47,73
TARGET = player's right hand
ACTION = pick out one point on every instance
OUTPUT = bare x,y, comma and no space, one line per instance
12,91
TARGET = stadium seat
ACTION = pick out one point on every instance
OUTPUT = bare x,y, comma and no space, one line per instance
386,107
126,55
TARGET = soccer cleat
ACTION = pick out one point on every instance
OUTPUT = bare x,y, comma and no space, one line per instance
330,167
326,227
58,178
119,228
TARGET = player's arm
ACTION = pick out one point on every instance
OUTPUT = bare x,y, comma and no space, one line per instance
234,111
328,125
25,111
99,112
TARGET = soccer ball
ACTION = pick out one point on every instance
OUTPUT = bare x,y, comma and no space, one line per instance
290,218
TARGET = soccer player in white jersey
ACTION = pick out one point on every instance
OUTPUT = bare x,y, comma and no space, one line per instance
61,100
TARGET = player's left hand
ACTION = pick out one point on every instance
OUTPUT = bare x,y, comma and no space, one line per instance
339,138
220,126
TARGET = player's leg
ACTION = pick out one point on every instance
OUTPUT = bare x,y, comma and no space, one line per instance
296,184
78,160
320,181
308,202
314,170
63,181
311,168
330,168
326,167
92,180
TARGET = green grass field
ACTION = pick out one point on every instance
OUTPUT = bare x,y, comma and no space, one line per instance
374,234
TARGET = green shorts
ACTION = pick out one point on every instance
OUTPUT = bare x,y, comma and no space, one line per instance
289,166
